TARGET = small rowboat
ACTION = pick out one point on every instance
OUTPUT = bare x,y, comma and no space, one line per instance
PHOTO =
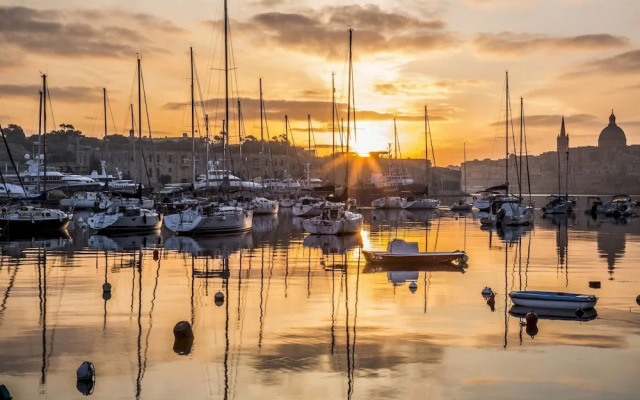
560,314
537,299
400,252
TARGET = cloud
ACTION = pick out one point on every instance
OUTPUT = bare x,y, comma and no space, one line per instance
623,63
446,85
77,33
69,94
319,110
522,43
375,31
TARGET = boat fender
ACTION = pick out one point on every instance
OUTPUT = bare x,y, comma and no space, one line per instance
465,258
4,393
86,371
183,338
218,299
531,318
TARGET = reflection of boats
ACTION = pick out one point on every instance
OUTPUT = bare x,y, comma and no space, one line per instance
401,252
124,242
17,248
264,223
511,234
373,268
418,215
564,314
331,244
571,301
219,246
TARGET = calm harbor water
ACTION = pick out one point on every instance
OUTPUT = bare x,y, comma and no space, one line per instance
305,317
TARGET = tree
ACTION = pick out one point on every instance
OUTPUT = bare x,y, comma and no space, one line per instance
14,133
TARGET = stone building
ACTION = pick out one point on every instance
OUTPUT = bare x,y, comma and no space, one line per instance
609,168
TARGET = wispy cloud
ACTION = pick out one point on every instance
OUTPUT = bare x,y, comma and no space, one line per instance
69,94
522,43
623,63
375,30
77,33
444,85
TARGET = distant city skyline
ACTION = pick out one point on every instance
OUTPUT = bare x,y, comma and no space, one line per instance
574,58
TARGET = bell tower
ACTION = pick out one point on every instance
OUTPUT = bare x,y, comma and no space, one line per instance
562,140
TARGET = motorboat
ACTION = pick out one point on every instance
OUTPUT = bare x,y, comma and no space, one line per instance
387,202
562,314
557,204
35,176
461,206
219,179
307,206
401,252
125,218
487,196
212,218
264,206
572,301
30,220
506,210
619,205
334,221
85,200
10,190
411,203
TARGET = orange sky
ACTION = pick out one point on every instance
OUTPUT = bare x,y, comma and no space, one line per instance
577,58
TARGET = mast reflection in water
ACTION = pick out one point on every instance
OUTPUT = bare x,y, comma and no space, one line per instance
308,318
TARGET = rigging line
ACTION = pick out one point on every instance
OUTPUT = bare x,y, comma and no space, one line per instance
526,158
139,338
153,303
513,139
433,154
113,121
293,141
266,125
53,118
13,164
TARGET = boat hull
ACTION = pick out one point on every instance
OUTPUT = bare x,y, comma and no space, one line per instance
229,221
28,227
571,301
379,257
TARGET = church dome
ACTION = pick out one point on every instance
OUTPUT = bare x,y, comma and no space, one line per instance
612,135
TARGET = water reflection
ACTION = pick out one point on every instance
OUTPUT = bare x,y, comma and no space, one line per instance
21,248
306,315
611,245
124,242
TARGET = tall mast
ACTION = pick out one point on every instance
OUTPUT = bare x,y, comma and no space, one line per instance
426,152
346,178
39,137
520,157
132,134
225,136
139,115
286,138
464,176
193,131
566,171
206,168
104,104
262,166
506,138
333,125
44,132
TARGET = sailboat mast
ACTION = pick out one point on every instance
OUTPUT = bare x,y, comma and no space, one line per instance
44,131
309,134
39,137
286,138
225,136
132,133
262,166
506,138
464,171
346,178
139,115
104,105
206,168
520,157
566,171
426,153
333,124
193,134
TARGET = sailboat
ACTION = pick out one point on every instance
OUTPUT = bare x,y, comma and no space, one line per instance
506,210
388,202
334,221
215,217
125,215
462,205
424,203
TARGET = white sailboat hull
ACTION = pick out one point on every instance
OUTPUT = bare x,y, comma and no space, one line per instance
223,220
421,204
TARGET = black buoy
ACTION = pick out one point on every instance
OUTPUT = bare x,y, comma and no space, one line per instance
413,287
183,338
595,284
156,255
218,299
638,300
106,287
532,324
86,378
4,393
